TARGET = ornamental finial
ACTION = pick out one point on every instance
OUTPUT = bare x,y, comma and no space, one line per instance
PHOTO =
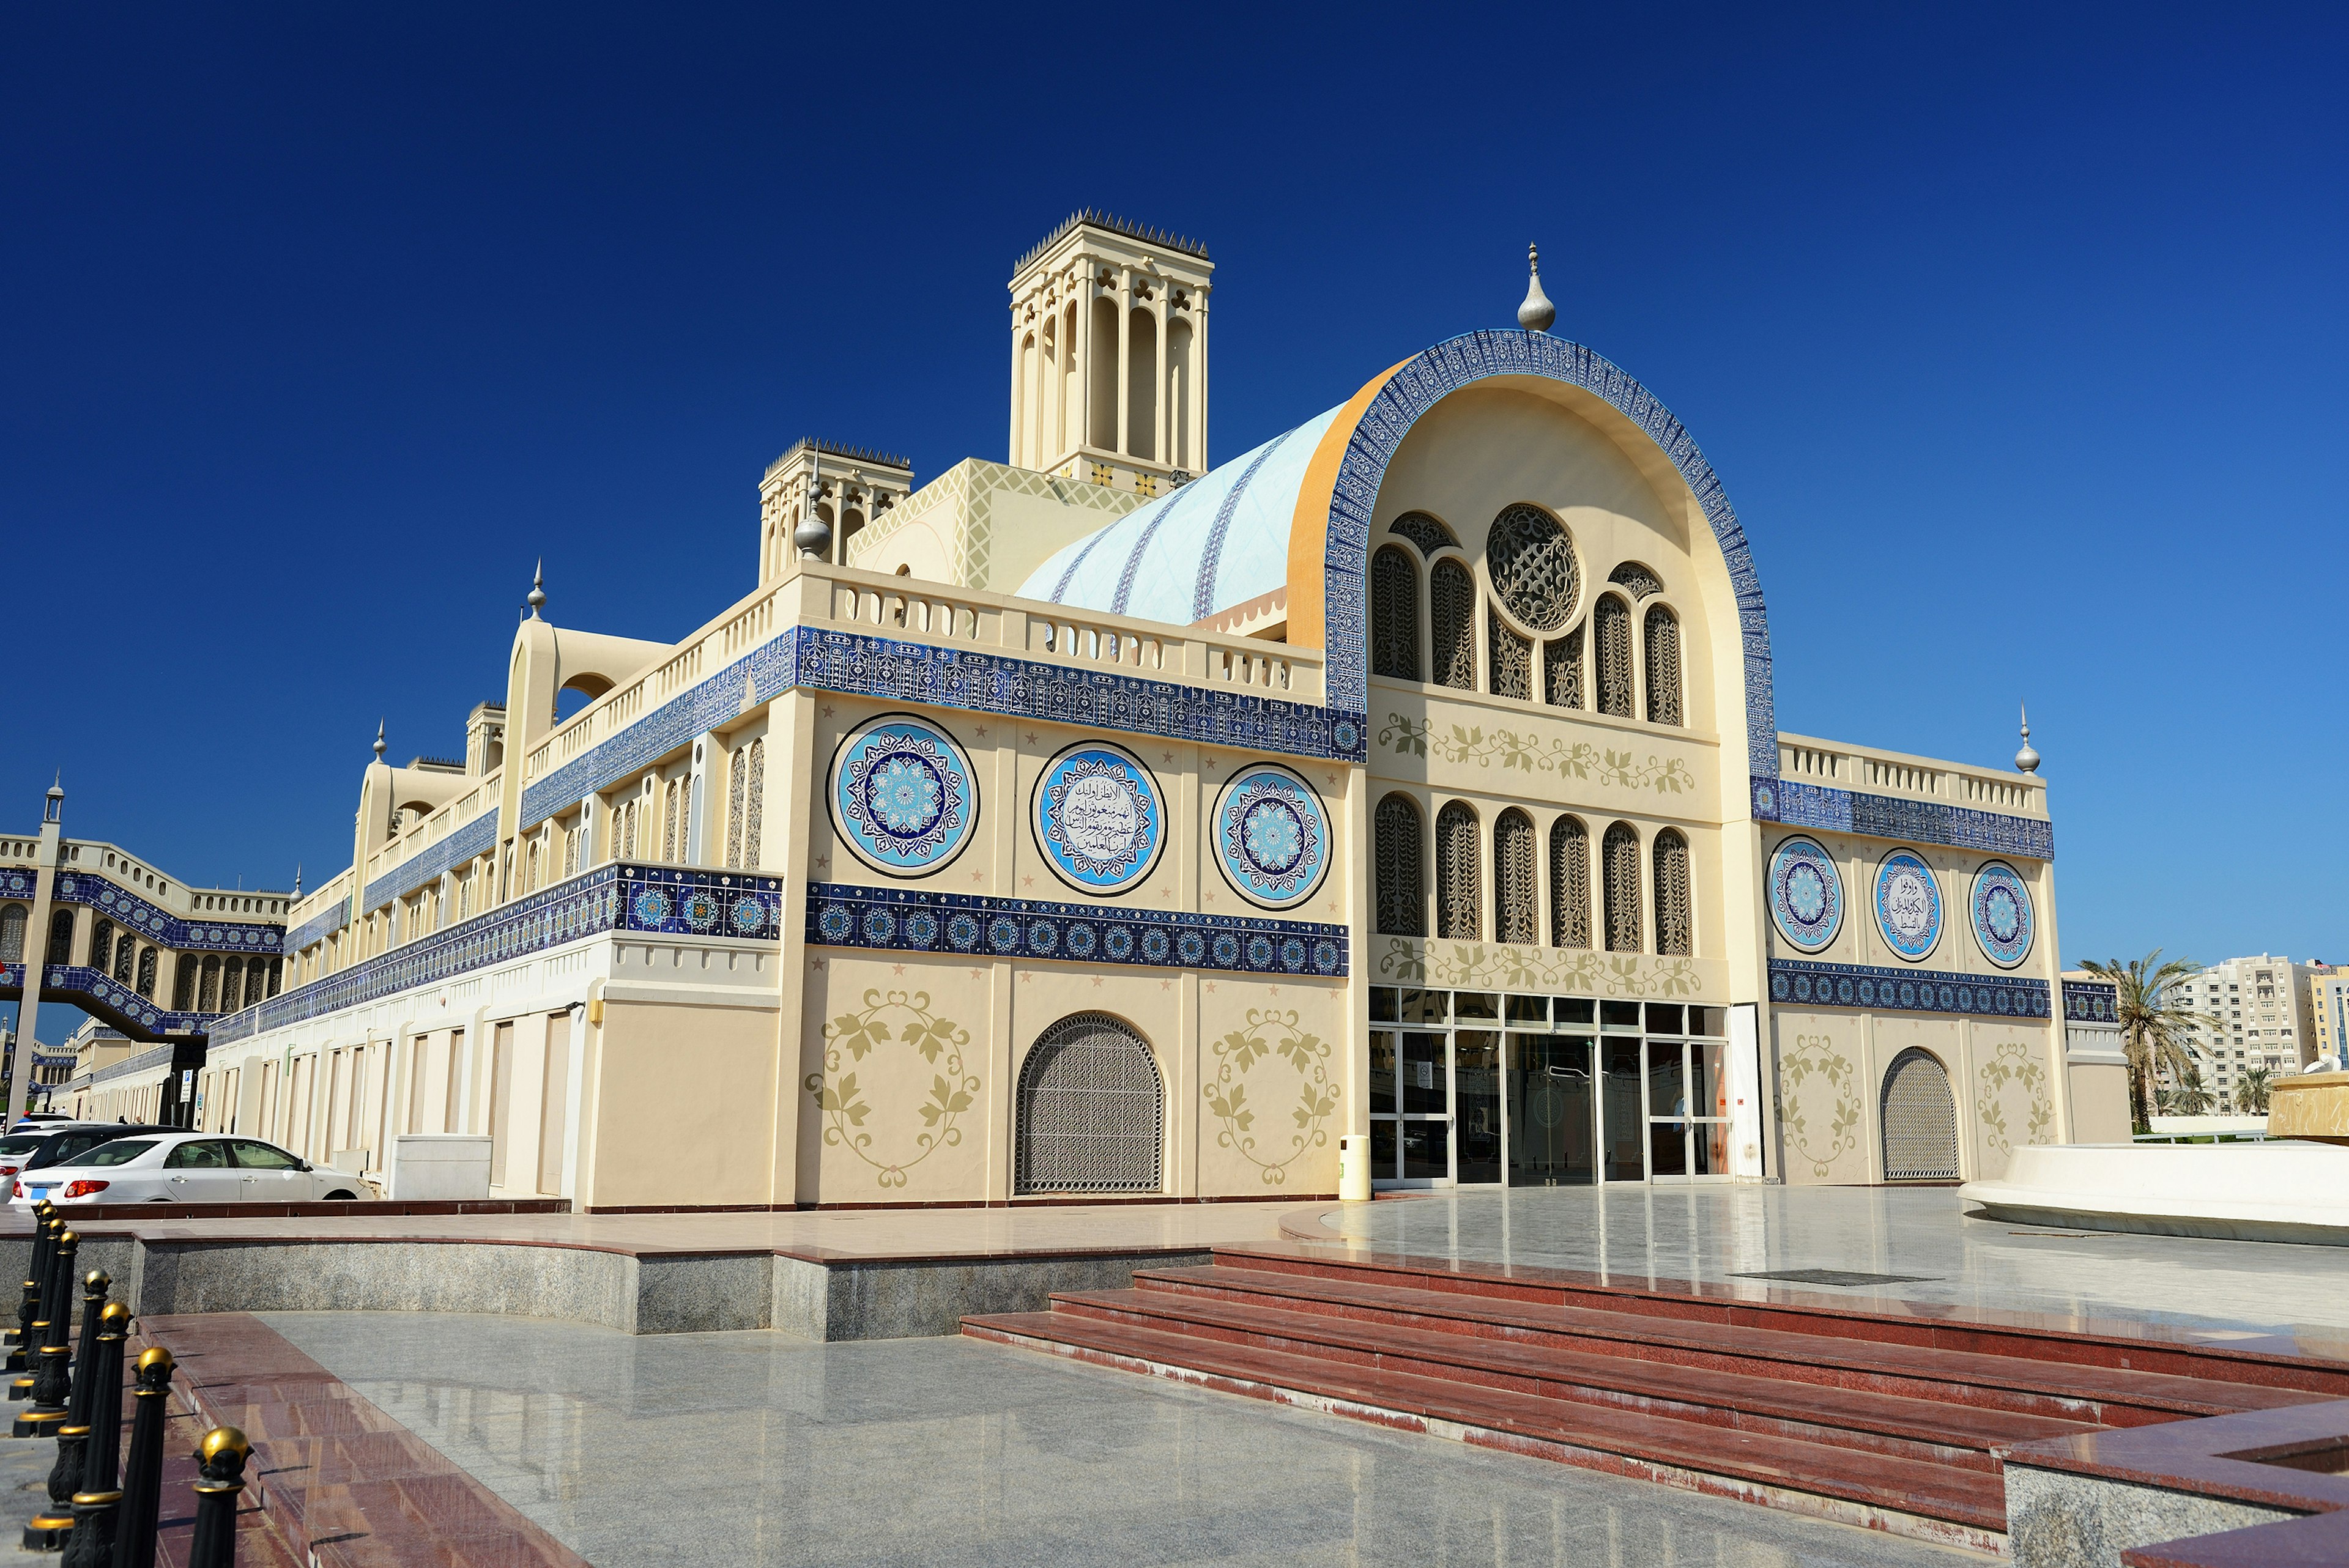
2027,759
380,748
1537,313
536,597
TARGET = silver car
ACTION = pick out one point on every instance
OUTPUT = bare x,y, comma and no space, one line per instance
183,1168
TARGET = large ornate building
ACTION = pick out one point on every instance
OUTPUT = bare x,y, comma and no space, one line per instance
1109,822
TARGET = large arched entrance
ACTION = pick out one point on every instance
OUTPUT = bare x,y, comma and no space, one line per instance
1090,1116
1920,1120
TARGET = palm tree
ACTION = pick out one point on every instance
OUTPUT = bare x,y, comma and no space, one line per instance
2189,1097
2153,1031
2251,1092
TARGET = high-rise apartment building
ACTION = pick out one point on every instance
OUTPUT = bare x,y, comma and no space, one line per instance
2261,1016
2328,998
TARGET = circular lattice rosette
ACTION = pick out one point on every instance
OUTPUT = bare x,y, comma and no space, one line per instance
1907,905
1272,836
2002,910
1805,894
1100,820
903,795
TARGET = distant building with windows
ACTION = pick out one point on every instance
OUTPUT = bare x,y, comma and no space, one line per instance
2262,1015
2328,1004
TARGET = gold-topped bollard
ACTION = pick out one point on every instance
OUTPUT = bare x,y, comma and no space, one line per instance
28,1313
97,1500
222,1454
50,1383
143,1469
65,1476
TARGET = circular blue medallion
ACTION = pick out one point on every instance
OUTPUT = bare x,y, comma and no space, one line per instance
750,915
1272,836
2002,907
1099,818
1805,894
1907,905
903,795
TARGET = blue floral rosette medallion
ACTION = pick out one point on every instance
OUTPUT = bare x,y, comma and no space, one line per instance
903,795
1907,905
1805,894
2002,910
1272,836
1100,820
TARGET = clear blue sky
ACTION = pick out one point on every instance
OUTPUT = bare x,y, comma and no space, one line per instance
2015,333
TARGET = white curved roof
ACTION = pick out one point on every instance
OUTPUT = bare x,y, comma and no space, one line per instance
1220,541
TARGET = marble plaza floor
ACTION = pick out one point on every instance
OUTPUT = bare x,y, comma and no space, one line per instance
757,1448
1713,1235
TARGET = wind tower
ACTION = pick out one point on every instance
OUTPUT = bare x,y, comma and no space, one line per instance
844,488
1109,356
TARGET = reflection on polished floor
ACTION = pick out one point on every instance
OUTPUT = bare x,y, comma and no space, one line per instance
1714,1234
754,1447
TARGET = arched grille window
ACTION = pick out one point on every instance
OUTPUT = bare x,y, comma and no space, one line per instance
184,984
1091,1110
1513,878
125,954
276,973
101,945
1622,855
1663,667
12,934
1459,900
1452,603
676,819
1510,659
147,973
1402,892
1674,937
61,937
1920,1120
746,803
1395,614
1562,670
1610,640
1570,883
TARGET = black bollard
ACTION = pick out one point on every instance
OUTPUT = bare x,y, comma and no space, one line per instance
222,1456
28,1312
65,1476
97,1504
50,1385
142,1470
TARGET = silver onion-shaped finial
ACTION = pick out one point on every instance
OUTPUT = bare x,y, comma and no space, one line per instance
380,747
2027,759
536,597
1537,312
813,536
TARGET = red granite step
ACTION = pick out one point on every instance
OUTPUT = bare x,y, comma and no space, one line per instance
1933,1430
1909,1496
2019,1384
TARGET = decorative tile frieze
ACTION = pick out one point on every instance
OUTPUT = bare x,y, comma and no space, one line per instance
914,920
319,927
1799,982
673,901
95,992
1889,817
160,926
478,837
145,1061
2090,1002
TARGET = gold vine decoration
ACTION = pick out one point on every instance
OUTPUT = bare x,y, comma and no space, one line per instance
1577,758
1271,1032
906,1019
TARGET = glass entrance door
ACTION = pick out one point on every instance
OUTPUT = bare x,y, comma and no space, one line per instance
1552,1105
1688,1110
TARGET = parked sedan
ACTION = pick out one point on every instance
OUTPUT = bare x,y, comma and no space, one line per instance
182,1167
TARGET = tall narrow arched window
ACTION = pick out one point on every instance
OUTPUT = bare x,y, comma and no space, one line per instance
1395,614
1402,889
61,937
1514,919
184,984
1451,604
746,791
1663,667
126,952
12,934
1674,933
1459,895
101,945
276,974
1610,647
1570,883
1562,670
1510,659
147,973
1622,855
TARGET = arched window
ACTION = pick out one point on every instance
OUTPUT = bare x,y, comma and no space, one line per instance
1510,659
1513,878
1621,856
1452,603
676,819
1570,883
61,937
1562,670
12,934
1091,1110
1402,889
1663,667
184,984
746,788
1919,1120
1395,614
1459,900
125,954
101,945
1611,643
276,973
1674,925
147,973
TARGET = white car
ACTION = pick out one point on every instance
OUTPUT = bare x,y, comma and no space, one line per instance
183,1168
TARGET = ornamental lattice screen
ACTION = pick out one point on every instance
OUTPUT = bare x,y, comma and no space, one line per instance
1395,614
1920,1121
1402,895
1091,1110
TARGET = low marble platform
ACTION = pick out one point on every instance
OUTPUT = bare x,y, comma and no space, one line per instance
2282,1190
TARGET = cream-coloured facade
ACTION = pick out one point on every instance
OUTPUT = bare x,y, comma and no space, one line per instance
2328,1007
2261,1011
1097,828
